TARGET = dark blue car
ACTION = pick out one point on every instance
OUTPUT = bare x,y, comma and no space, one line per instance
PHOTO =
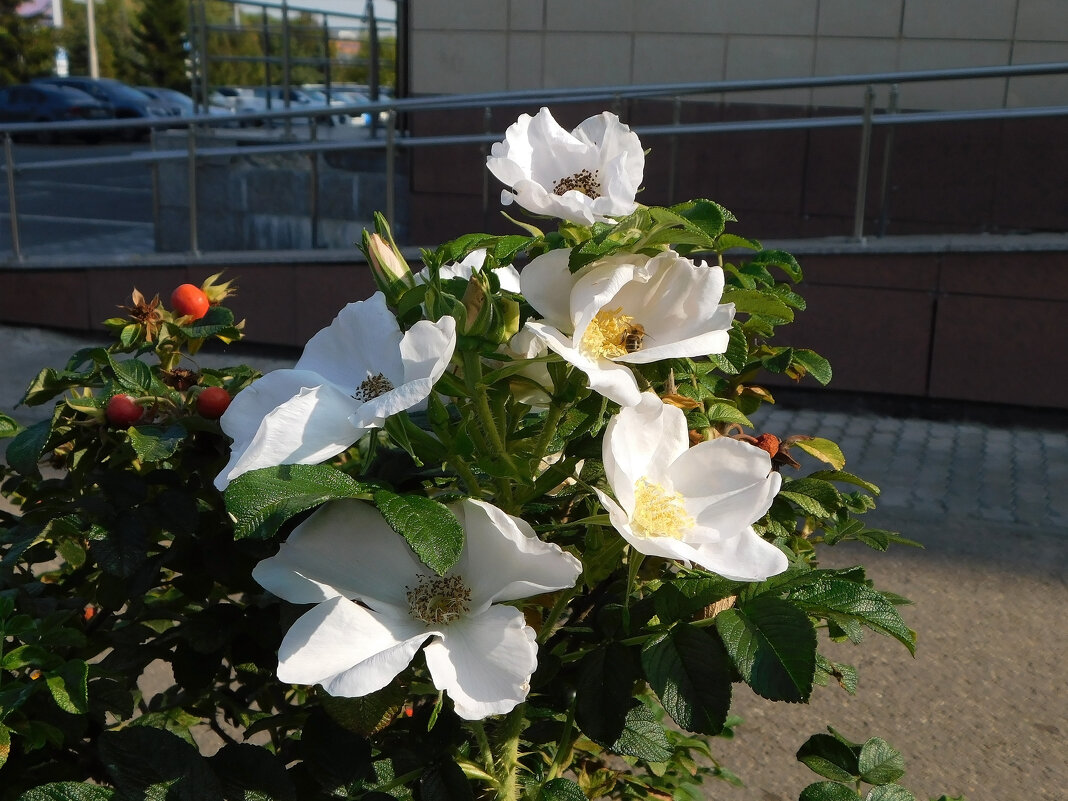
125,101
42,102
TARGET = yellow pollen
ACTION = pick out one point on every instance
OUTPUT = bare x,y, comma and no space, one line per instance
658,513
608,334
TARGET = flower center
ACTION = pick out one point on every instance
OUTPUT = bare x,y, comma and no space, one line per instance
611,334
582,181
372,387
657,512
438,600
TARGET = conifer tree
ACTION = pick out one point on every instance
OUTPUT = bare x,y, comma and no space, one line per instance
25,45
160,36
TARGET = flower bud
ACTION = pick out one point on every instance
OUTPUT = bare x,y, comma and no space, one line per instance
389,269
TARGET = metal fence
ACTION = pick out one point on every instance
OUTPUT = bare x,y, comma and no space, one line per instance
394,141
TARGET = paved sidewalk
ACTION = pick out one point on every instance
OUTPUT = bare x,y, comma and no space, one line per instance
981,710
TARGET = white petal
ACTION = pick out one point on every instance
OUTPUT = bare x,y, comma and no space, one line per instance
344,548
286,417
546,284
484,662
363,339
504,560
425,351
615,381
744,557
596,290
347,648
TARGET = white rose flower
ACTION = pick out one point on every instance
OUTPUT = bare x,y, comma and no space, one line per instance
626,309
507,274
378,604
692,504
586,176
352,376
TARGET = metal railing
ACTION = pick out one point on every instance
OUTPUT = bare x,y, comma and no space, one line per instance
393,140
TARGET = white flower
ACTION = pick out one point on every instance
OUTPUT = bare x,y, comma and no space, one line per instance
692,504
626,309
352,376
378,604
507,274
585,176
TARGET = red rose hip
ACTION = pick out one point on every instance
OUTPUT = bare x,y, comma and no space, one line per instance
212,402
190,301
122,411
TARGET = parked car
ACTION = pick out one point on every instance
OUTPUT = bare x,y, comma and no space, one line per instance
46,103
125,101
182,104
274,99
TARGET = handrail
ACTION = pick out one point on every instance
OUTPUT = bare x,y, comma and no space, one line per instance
540,96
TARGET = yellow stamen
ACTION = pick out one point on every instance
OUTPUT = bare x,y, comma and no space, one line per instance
658,512
607,334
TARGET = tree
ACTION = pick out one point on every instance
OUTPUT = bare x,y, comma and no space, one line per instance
25,45
115,48
160,38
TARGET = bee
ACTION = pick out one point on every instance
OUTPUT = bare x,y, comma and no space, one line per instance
633,336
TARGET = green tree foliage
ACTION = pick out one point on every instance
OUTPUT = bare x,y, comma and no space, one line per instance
159,34
115,46
25,46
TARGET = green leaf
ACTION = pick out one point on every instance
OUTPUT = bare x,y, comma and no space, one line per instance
643,736
132,374
813,496
761,304
5,744
845,478
781,259
444,781
68,791
604,692
69,687
830,757
26,656
262,500
725,413
562,790
816,366
823,449
691,674
734,359
8,427
218,320
706,216
890,792
839,596
338,759
27,448
880,763
828,791
148,763
124,548
251,773
431,530
156,443
49,383
773,645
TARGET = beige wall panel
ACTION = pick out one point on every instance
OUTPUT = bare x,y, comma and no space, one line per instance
959,19
467,15
933,54
457,62
692,16
525,61
526,15
675,58
750,57
1043,20
1040,90
764,17
840,55
587,59
589,15
881,18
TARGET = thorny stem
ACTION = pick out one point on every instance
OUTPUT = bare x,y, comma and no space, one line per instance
564,749
483,744
554,615
473,375
508,754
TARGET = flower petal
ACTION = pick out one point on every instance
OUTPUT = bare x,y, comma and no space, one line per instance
286,417
615,381
744,557
350,650
484,662
504,560
344,548
546,284
425,351
363,339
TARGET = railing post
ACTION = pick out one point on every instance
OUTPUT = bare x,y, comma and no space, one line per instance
888,147
391,166
9,162
313,200
191,172
862,169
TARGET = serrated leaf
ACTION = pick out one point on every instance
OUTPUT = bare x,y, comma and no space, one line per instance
5,744
124,549
367,714
428,526
132,374
891,792
816,366
444,781
28,447
839,596
338,759
68,791
823,449
773,645
250,773
829,757
815,497
8,427
691,674
562,790
725,413
734,359
761,304
781,259
604,692
880,762
643,736
144,763
706,215
262,500
845,478
218,320
828,791
156,443
69,687
51,382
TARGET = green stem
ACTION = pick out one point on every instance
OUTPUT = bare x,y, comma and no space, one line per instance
400,780
508,754
465,473
554,615
483,744
634,563
552,418
473,376
562,757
